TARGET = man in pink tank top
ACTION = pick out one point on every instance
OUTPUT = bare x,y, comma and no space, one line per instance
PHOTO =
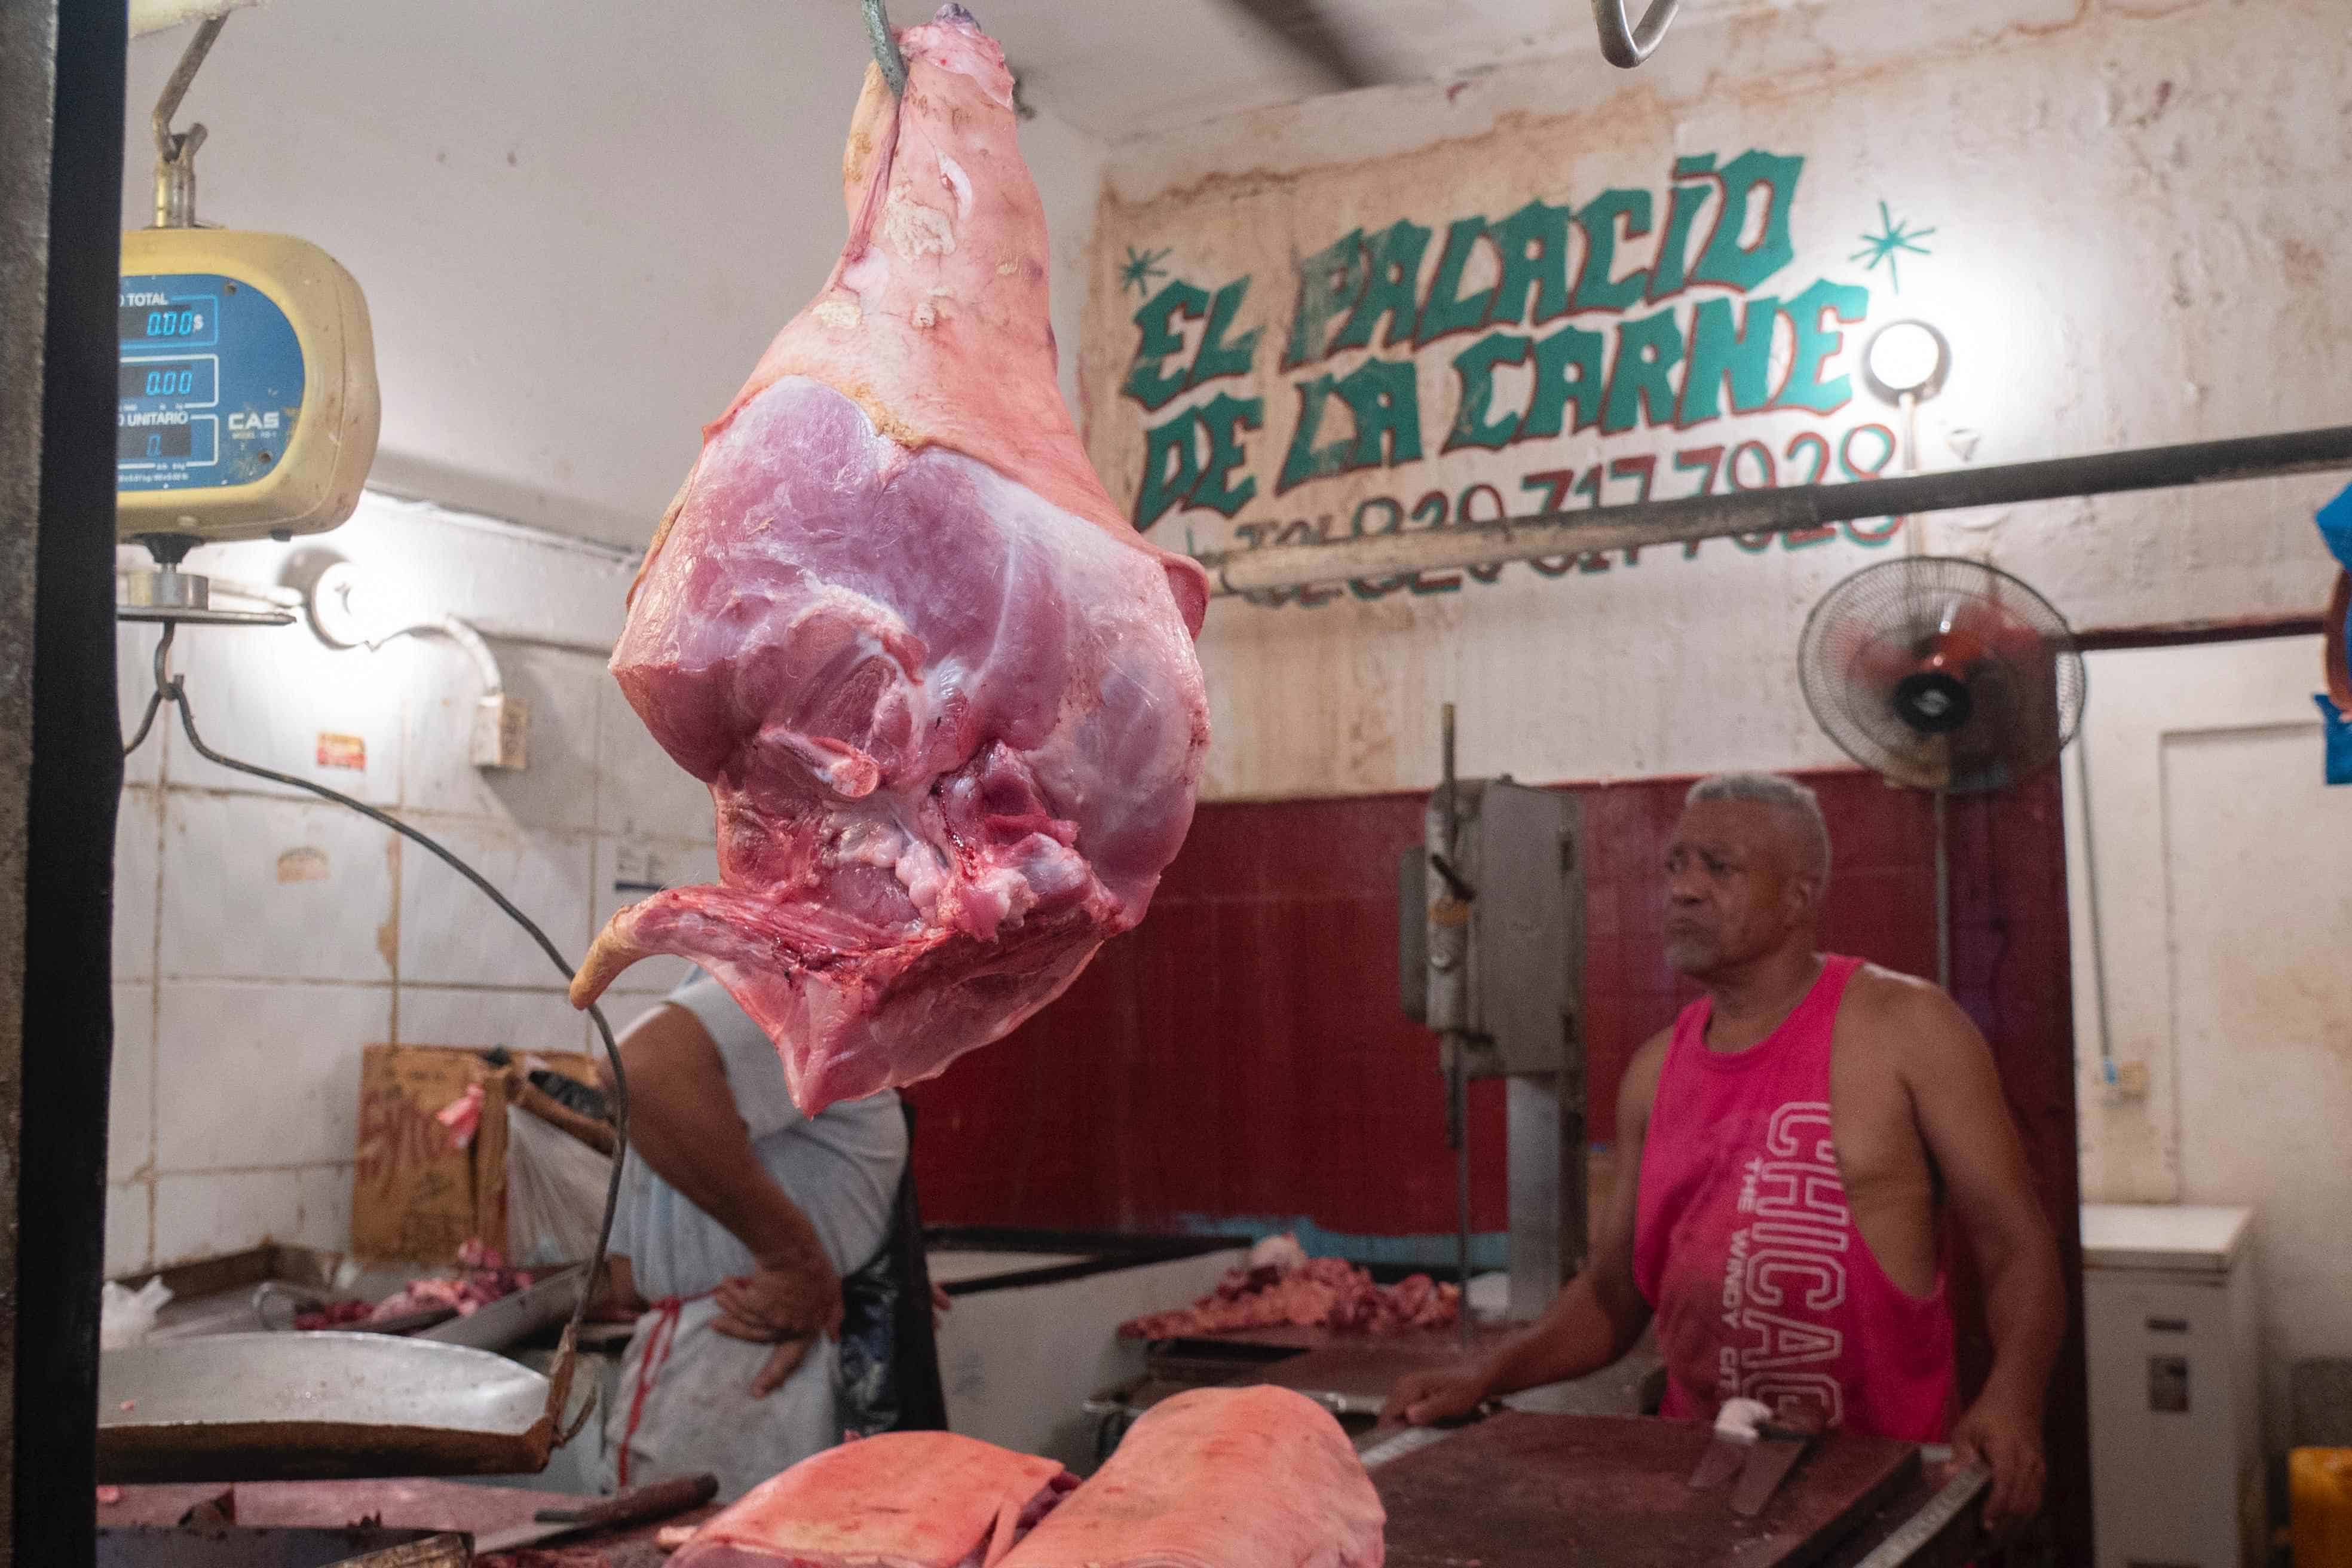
1786,1153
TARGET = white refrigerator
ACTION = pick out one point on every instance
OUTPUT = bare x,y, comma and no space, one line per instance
2175,1375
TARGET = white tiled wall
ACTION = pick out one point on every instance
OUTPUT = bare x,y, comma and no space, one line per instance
263,937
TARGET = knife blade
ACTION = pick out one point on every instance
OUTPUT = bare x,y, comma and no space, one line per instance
1736,1424
639,1505
1776,1453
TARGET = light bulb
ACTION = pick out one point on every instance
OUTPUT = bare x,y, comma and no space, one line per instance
1906,359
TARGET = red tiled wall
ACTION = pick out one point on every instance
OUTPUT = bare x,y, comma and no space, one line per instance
1242,1052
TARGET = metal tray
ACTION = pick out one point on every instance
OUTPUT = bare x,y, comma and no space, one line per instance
267,1406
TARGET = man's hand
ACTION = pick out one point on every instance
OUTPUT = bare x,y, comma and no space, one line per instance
789,1308
2007,1439
1424,1398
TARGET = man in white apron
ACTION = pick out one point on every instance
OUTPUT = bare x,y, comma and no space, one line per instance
738,1218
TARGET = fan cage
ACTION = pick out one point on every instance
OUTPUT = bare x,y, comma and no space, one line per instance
2012,651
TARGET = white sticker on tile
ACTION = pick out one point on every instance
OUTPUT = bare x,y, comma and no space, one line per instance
229,912
261,1075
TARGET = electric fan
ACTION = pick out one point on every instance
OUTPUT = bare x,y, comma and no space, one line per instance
1944,675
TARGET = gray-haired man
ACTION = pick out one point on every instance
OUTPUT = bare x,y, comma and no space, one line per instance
1786,1151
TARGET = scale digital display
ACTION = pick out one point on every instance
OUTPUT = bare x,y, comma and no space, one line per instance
219,415
161,381
152,318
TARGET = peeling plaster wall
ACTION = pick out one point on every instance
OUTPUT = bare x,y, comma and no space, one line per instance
2135,206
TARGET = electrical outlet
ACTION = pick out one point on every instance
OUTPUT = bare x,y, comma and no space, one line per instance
502,737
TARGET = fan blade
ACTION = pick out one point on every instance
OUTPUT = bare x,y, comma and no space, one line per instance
1303,27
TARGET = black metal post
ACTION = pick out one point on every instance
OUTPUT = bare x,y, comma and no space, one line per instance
61,106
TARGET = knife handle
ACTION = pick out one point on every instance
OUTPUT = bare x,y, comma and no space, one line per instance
639,1505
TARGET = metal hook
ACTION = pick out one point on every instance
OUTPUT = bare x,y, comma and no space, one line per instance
175,152
1624,44
886,46
167,688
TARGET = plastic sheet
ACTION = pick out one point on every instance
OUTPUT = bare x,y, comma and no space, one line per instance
555,1192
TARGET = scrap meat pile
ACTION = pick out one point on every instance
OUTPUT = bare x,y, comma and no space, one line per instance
1281,1287
483,1277
943,694
1233,1478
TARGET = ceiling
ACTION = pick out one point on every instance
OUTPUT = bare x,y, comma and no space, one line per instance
1122,68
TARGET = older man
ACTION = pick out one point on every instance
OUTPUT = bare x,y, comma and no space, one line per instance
1787,1151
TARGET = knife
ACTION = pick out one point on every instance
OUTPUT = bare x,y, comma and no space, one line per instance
1736,1425
1776,1453
639,1505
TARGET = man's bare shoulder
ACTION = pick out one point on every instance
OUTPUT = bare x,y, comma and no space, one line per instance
1639,1090
1905,1015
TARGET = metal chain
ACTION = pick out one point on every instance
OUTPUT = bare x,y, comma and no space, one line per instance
173,688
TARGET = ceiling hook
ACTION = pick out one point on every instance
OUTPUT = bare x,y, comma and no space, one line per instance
886,47
1625,45
175,151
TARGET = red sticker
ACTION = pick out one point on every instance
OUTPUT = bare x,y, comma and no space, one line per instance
342,752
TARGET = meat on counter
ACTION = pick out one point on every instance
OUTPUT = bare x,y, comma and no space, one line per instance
1281,1287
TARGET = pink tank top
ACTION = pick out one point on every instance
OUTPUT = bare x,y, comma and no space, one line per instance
1745,1249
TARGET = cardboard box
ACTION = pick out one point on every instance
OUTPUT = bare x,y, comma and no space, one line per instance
415,1196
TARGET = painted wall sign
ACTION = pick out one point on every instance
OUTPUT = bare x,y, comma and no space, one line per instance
1642,342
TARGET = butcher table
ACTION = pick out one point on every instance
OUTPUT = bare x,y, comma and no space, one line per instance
1527,1490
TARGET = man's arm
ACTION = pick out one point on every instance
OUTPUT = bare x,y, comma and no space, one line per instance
1594,1320
1956,1095
684,1124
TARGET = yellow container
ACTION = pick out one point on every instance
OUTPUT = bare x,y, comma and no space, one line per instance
2319,1483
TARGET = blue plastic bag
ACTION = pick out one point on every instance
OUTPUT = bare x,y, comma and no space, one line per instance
2339,739
2335,528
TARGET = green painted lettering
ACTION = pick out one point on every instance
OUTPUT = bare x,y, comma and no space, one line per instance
1534,246
1682,207
1329,283
1718,354
1223,418
1383,396
1568,370
1641,384
1476,367
1595,288
1392,291
1447,310
1380,398
1849,302
1146,382
1726,260
1306,461
1165,486
1217,358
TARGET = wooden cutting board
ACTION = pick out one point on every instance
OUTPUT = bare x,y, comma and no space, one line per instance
1519,1490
